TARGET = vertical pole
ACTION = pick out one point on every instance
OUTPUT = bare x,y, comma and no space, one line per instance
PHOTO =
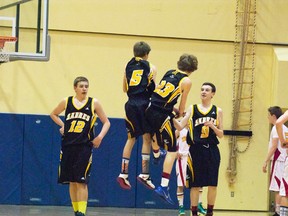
38,26
17,27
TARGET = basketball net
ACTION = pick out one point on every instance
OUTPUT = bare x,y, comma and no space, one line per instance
7,45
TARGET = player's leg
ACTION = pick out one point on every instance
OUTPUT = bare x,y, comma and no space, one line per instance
131,123
82,198
278,172
167,167
284,206
283,189
213,170
144,177
181,167
198,172
194,197
67,161
158,153
154,119
277,203
169,142
146,149
123,176
201,209
180,198
211,198
79,178
73,196
163,189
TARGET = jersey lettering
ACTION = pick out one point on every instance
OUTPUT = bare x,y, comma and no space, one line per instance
80,115
203,120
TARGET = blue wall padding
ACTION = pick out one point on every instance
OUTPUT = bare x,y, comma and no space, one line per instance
99,180
30,146
11,142
107,166
37,160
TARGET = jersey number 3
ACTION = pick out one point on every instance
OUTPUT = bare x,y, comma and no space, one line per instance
165,88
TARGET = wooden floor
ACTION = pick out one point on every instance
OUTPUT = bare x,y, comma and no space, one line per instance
16,210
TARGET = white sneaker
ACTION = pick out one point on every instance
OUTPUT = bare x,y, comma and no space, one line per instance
146,181
123,182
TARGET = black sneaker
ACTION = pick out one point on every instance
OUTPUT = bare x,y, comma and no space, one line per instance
79,214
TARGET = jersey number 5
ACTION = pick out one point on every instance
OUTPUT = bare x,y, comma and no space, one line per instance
136,78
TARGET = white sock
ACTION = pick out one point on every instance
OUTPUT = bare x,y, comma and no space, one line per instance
283,211
180,197
164,182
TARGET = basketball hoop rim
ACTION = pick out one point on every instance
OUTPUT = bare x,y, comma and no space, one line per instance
4,39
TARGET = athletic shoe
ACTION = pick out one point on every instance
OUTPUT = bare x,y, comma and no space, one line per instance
123,182
146,181
275,214
162,155
181,210
163,193
201,209
79,214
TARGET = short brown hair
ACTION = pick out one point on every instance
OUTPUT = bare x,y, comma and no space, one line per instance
187,63
141,49
275,110
213,87
80,79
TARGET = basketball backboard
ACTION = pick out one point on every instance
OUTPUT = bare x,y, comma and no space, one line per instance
28,21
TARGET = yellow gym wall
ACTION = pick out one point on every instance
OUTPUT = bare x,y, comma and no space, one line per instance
94,38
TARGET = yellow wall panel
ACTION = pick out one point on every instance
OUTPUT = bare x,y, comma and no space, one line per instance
185,19
280,78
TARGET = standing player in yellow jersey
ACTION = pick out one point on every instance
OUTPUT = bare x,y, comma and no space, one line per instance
78,141
138,83
175,83
205,124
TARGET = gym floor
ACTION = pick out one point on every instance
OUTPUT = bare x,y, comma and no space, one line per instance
17,210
